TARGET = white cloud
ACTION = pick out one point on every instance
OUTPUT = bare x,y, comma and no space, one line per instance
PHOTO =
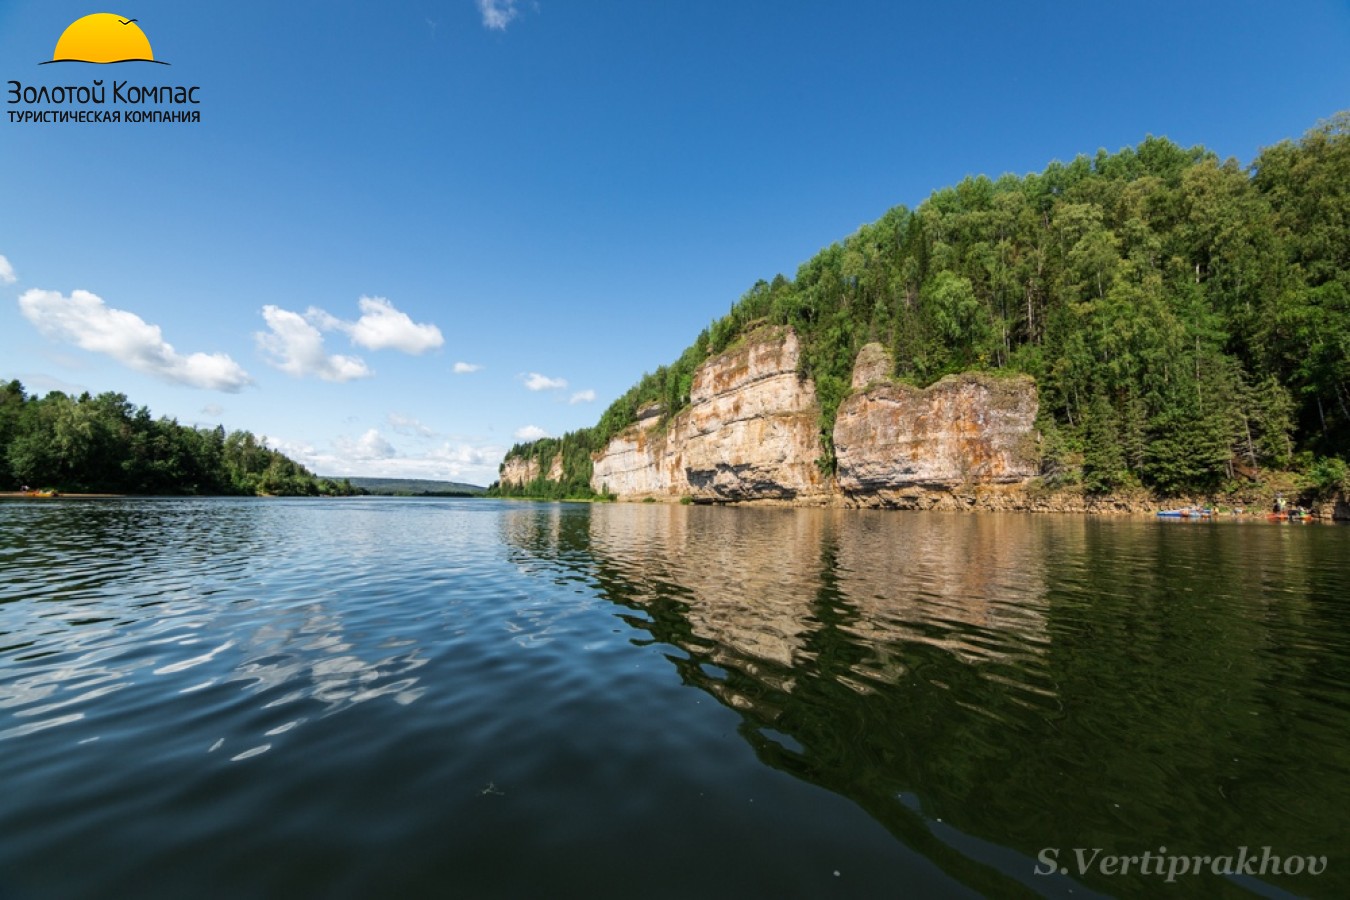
295,343
296,348
294,449
369,446
586,396
408,425
381,327
214,410
7,275
497,14
467,460
463,368
536,382
530,433
322,320
84,320
466,454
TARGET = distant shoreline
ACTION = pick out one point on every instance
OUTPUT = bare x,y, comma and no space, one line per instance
58,495
992,500
1109,506
83,495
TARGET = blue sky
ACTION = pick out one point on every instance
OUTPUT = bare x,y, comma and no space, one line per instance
556,194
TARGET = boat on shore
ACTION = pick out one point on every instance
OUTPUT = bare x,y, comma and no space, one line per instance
1294,515
1187,512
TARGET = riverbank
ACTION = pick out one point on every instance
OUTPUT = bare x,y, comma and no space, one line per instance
1036,497
56,495
84,495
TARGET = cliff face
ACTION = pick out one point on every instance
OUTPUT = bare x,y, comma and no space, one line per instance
750,433
751,429
635,464
896,444
519,472
516,472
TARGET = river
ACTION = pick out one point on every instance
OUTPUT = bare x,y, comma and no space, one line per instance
421,697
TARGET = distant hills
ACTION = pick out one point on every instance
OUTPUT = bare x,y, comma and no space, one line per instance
415,487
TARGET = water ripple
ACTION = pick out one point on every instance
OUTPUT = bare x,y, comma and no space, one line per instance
365,697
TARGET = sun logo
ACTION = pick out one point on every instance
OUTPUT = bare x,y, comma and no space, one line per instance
103,38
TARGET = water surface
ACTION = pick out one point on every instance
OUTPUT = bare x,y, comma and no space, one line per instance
479,698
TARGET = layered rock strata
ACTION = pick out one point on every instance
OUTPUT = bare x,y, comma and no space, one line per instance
750,433
518,471
896,444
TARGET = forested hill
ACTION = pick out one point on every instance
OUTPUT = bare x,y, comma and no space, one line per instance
104,444
415,487
1187,320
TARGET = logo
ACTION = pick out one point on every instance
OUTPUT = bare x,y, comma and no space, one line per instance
103,38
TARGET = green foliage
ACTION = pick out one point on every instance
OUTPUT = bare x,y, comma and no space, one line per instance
1329,475
105,444
575,449
1187,321
1104,463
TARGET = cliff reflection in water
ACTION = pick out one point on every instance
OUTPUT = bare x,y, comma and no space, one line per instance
986,686
773,590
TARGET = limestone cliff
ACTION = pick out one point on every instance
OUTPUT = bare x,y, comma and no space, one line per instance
750,433
895,444
518,471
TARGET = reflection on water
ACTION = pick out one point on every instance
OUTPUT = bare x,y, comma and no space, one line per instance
426,697
112,613
988,686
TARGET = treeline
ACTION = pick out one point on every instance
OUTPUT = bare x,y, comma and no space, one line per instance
1187,320
576,448
104,444
414,487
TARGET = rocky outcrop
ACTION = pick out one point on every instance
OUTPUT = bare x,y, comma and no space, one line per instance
1337,508
896,444
518,471
873,365
750,433
635,464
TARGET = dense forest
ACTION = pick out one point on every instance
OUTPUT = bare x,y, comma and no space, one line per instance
1187,320
104,444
